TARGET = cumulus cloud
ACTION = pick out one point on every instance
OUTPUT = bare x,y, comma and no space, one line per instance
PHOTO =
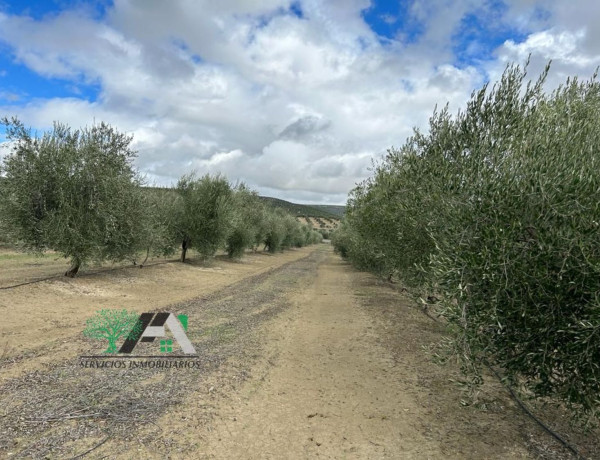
296,105
562,32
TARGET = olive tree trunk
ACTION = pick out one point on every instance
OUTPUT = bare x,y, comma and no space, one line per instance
184,246
75,264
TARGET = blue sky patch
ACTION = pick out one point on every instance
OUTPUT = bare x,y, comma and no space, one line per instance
392,20
19,84
183,46
296,10
480,33
39,9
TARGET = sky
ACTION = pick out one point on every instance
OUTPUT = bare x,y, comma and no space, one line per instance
294,98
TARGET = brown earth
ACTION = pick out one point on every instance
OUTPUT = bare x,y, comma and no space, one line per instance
303,357
337,380
39,318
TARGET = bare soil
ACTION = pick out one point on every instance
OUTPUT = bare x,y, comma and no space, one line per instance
302,357
39,319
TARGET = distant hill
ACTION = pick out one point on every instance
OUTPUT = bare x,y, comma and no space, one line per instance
335,210
307,210
298,210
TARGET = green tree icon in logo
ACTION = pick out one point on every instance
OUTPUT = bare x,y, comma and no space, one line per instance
111,325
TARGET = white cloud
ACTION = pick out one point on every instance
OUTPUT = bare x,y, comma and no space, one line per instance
561,46
296,107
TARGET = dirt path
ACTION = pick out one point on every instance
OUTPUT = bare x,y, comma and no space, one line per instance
330,393
336,390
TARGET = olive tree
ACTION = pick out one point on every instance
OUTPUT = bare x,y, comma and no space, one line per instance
72,191
274,230
291,231
246,222
203,213
157,232
496,212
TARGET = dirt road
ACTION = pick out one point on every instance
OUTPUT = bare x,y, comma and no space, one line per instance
332,392
306,359
336,390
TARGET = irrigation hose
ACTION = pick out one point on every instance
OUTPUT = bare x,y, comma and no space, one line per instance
522,405
534,417
102,270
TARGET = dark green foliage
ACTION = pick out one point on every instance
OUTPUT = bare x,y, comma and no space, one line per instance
292,230
5,237
237,242
158,236
203,213
325,233
314,237
342,240
496,211
75,192
247,228
274,230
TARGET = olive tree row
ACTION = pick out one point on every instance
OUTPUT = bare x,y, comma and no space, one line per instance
496,212
257,223
77,192
211,214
